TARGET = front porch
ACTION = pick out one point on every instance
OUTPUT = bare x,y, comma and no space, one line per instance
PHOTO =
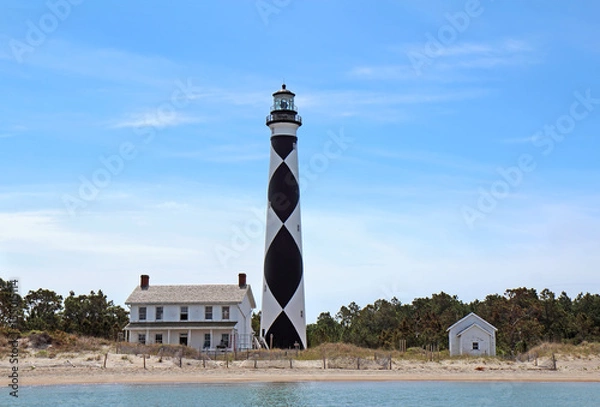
204,336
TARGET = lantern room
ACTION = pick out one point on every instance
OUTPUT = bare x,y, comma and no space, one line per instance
284,108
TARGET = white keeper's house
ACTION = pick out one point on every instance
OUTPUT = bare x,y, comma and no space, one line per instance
473,336
206,317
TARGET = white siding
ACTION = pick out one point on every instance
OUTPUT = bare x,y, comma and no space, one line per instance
483,333
239,313
171,313
479,336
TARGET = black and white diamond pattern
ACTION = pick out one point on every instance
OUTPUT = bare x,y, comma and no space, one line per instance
283,294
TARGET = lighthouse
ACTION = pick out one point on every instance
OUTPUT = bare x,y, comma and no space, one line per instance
283,319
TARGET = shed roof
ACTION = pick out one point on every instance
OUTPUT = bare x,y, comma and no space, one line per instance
191,294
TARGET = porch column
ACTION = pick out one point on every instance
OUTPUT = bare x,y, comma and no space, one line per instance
189,337
148,336
168,336
211,339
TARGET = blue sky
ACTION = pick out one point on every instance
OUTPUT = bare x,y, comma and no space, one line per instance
446,145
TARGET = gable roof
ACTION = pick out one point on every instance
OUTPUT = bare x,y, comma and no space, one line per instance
474,325
191,294
479,319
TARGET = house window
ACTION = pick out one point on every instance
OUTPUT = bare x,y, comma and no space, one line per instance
142,314
159,313
206,341
224,341
225,313
158,338
208,312
183,339
475,345
183,314
142,339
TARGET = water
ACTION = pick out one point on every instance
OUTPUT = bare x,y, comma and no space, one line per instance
318,394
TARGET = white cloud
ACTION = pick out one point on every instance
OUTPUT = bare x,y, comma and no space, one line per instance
412,254
432,158
23,230
109,64
453,58
229,153
12,131
518,140
396,72
463,49
172,205
349,100
362,252
109,250
507,48
155,118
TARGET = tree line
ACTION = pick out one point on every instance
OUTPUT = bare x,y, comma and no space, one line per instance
523,316
45,310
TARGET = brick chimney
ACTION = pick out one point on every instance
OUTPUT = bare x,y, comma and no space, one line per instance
242,280
144,281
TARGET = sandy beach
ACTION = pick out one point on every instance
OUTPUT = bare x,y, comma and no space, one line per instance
87,368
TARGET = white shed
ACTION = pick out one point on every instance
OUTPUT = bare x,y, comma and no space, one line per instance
473,336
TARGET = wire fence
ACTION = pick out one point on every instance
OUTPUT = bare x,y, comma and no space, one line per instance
292,358
256,358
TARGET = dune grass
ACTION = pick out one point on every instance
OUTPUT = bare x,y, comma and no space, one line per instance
58,343
583,350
